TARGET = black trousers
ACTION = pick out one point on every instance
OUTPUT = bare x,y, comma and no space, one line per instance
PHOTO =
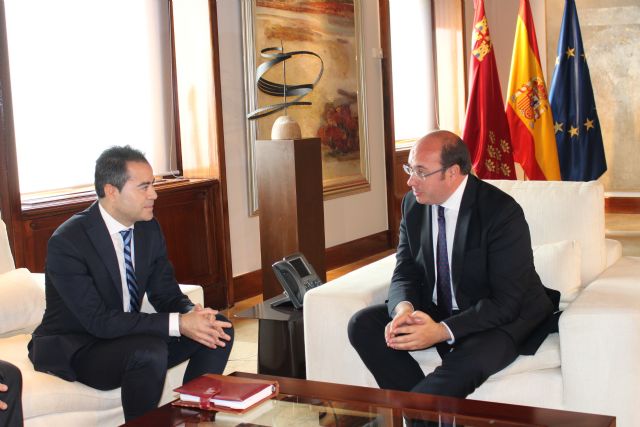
139,363
12,378
465,365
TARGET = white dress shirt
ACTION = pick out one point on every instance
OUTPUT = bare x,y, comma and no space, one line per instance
114,227
451,211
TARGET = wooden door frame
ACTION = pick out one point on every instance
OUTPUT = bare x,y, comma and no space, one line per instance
389,129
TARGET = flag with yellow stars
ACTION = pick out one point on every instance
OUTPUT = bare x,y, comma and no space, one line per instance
576,124
528,110
486,131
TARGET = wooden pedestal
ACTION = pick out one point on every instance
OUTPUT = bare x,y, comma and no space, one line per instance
289,175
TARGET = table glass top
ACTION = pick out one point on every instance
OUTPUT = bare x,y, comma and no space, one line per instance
315,403
291,410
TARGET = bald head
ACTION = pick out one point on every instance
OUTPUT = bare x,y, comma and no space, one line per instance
452,149
440,161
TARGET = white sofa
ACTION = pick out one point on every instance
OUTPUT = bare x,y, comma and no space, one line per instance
592,365
47,400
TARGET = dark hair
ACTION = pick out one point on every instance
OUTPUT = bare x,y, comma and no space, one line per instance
111,167
455,152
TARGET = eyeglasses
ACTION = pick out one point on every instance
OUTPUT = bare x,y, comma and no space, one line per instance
419,173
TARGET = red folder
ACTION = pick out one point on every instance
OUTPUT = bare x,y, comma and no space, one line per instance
224,393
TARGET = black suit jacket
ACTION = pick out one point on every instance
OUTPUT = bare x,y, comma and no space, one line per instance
84,290
493,276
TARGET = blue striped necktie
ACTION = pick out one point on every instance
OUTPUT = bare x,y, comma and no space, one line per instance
132,284
443,285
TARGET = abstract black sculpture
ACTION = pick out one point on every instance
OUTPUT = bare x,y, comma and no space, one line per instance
275,56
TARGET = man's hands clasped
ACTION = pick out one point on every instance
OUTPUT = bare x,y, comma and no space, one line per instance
202,326
414,330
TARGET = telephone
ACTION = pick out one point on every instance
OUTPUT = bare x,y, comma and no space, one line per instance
296,276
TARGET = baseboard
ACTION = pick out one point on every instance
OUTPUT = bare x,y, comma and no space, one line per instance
250,284
346,253
247,285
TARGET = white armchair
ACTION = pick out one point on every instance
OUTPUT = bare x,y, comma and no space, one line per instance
48,400
590,366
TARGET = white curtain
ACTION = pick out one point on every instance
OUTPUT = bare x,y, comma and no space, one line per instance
451,63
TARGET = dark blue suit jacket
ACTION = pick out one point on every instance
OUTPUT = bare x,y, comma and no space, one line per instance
493,276
84,290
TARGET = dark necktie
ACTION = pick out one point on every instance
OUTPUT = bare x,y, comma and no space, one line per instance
443,282
132,284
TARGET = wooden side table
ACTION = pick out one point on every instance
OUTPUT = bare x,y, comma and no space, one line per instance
280,338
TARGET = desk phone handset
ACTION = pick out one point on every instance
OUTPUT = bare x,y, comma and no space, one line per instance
296,276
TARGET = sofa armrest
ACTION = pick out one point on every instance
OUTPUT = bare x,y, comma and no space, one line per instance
600,343
194,292
327,310
39,278
613,250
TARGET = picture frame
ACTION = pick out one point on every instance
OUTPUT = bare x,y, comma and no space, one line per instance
331,29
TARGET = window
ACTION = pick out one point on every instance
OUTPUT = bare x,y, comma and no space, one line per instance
86,75
412,67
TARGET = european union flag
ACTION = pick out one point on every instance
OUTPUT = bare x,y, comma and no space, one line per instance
576,124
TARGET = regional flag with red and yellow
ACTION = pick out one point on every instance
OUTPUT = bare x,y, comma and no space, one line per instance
486,131
528,109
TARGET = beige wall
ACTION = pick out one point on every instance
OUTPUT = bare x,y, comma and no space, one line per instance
346,218
611,36
502,16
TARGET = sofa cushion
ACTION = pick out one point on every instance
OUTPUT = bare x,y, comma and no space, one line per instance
22,301
547,357
46,394
561,210
558,265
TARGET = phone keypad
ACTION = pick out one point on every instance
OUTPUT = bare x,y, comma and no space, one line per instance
312,284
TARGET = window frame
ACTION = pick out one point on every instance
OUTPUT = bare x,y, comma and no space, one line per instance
14,211
41,197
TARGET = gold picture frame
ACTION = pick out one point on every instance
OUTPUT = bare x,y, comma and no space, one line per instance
331,29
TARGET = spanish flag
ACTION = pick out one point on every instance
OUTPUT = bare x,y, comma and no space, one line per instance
528,109
486,131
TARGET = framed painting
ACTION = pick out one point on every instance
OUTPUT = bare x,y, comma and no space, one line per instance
332,30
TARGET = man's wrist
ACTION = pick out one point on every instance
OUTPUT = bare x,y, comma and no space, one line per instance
402,307
447,335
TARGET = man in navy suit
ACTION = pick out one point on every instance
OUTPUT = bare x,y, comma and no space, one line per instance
100,263
464,280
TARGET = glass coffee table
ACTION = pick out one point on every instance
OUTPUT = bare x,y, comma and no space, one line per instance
304,403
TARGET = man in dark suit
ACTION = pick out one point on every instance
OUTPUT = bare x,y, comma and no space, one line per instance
10,395
100,263
464,280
